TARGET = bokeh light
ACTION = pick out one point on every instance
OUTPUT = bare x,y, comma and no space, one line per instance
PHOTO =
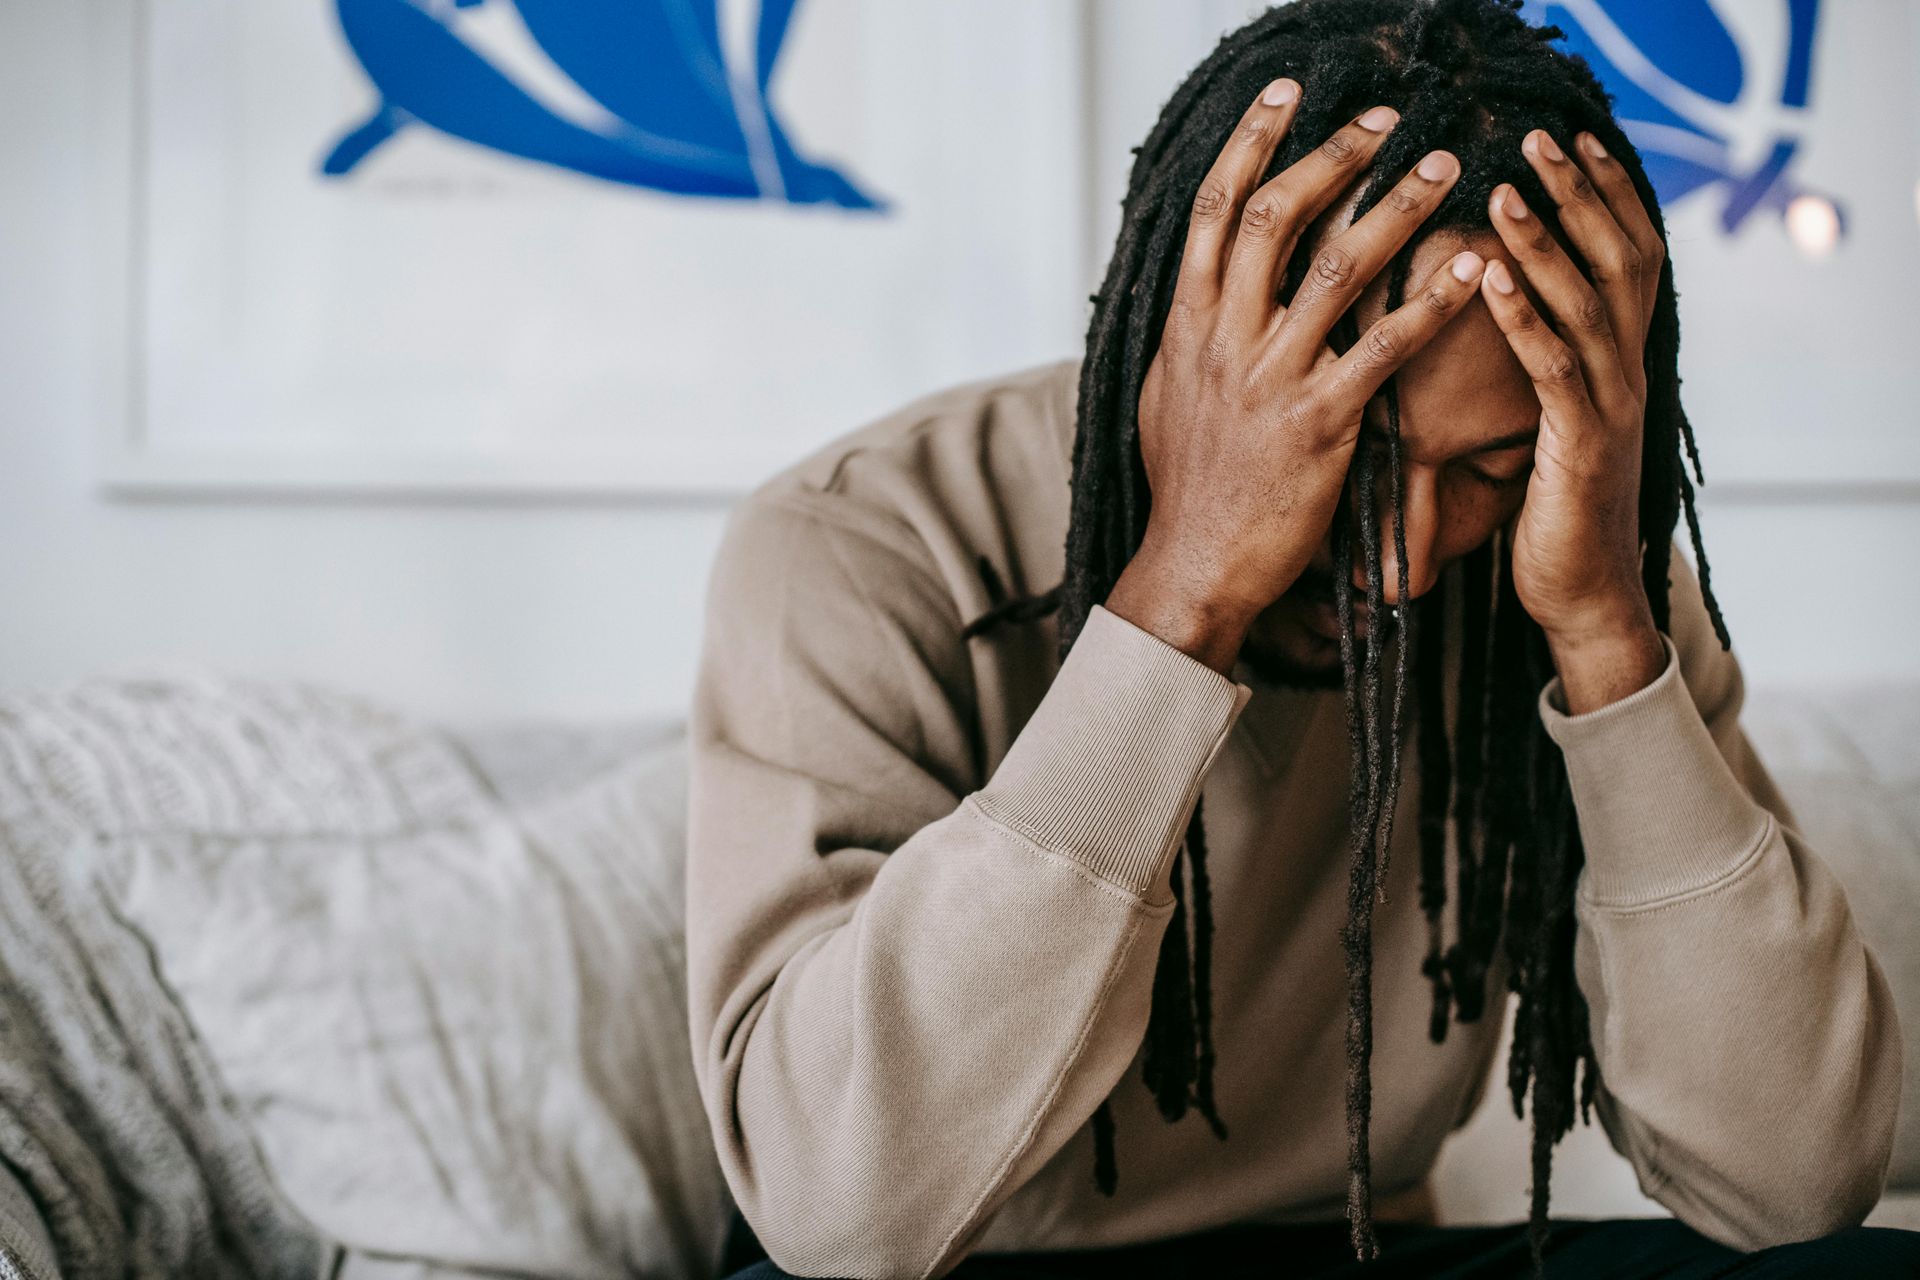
1813,224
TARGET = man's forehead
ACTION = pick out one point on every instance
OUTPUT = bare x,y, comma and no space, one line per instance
1464,389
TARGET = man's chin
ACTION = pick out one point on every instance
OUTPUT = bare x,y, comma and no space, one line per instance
1280,667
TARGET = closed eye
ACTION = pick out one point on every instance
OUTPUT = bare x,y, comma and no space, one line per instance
1494,480
1498,480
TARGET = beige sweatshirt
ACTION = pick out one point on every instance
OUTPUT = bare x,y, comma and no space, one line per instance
929,877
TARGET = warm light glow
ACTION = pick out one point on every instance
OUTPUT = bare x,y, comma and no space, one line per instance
1813,224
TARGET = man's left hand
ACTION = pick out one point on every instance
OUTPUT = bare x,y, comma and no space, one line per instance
1576,543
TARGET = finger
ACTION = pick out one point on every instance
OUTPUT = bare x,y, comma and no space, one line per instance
1613,261
1615,185
1572,302
1396,336
1550,363
1280,211
1347,262
1222,193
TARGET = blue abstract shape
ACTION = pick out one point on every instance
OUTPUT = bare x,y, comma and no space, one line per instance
1801,14
1630,101
1672,66
1685,39
679,121
684,93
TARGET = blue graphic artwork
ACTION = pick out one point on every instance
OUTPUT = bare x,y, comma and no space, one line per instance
1713,96
678,117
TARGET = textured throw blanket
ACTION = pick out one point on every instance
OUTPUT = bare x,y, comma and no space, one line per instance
291,986
117,1146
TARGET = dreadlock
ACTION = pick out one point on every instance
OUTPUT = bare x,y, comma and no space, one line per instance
1469,76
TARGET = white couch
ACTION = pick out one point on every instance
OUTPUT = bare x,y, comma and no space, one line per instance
407,1003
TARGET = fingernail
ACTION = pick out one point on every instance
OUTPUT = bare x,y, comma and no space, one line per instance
1513,206
1280,93
1544,144
1591,145
1435,165
1499,277
1379,120
1466,266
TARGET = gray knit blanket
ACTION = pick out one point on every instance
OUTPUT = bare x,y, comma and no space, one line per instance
119,1154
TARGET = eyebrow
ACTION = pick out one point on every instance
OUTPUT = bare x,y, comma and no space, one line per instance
1511,440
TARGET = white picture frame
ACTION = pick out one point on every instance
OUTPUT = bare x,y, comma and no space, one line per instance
207,390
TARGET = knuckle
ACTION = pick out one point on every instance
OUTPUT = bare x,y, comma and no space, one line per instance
1558,366
1589,315
1384,344
1402,199
1340,148
1604,267
1333,267
1254,131
1210,203
1436,299
1581,189
1261,217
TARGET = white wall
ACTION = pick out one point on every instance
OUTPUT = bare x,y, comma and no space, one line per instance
478,610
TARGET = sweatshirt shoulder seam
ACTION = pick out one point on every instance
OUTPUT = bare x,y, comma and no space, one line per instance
806,504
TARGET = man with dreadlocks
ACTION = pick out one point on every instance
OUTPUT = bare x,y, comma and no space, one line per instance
1051,731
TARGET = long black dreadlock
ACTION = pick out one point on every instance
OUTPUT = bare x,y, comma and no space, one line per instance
1471,77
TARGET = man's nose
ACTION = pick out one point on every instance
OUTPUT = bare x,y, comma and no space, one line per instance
1420,518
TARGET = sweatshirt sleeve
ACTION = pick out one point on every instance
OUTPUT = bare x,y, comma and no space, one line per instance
1748,1047
910,986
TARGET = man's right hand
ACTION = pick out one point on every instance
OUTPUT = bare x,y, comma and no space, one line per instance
1247,420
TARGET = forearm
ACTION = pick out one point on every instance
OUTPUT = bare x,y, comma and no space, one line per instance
1745,1037
863,1018
884,1094
1749,1050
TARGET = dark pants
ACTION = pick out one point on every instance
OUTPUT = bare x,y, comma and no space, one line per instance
1622,1249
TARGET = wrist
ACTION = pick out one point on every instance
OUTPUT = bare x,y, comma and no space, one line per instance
1605,661
1169,598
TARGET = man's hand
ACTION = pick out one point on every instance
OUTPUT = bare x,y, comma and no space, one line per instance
1576,549
1247,420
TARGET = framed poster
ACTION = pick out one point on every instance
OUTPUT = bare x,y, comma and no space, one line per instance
569,246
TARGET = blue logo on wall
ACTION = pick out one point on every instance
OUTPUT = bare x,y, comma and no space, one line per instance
1714,96
678,116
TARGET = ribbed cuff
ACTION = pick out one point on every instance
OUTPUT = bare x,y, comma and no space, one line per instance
1107,770
1660,812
